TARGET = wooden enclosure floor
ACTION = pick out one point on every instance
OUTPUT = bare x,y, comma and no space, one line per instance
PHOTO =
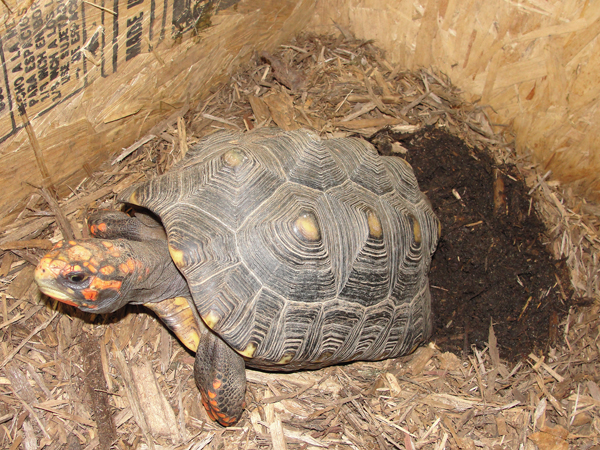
76,381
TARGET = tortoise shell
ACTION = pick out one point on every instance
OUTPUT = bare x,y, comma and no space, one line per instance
299,252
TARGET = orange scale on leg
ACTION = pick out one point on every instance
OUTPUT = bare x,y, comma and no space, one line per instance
228,421
102,227
212,394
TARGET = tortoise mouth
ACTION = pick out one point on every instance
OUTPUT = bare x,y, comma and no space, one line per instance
47,288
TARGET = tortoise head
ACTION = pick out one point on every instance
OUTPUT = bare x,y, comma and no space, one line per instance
94,275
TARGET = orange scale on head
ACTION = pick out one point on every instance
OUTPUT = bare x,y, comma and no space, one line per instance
107,244
55,265
79,253
44,264
107,270
132,264
90,267
124,269
115,253
90,294
100,284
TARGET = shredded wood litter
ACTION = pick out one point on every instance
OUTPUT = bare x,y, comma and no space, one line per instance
78,381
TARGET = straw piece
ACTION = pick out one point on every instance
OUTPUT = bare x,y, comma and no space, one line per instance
61,218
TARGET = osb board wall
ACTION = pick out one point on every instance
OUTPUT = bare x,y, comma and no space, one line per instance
95,78
535,63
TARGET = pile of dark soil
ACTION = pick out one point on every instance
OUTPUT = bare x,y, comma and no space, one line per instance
491,264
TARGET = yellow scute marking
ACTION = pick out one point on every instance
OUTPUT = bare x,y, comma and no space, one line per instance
285,359
133,198
308,227
374,225
248,352
211,319
233,158
417,231
177,256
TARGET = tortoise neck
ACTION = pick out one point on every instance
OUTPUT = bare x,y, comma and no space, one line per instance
156,278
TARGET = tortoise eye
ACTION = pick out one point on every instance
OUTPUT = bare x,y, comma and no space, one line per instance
77,277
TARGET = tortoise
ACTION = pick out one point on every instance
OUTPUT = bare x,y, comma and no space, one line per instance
274,250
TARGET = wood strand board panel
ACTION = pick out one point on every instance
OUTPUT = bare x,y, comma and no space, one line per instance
537,64
93,81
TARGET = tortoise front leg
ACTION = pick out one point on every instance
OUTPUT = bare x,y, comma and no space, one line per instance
220,375
113,224
178,316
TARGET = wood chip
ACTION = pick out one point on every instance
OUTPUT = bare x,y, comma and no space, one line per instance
22,282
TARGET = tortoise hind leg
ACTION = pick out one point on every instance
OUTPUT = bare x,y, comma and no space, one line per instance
220,375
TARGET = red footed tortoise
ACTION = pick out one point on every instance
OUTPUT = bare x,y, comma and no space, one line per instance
274,250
